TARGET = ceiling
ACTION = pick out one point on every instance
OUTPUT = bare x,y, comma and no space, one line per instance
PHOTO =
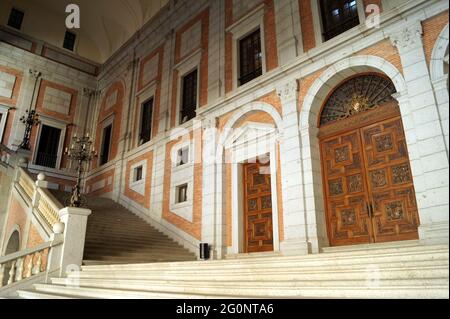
106,23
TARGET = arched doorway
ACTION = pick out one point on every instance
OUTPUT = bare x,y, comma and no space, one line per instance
368,186
12,247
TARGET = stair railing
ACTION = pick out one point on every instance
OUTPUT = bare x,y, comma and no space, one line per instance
28,262
64,227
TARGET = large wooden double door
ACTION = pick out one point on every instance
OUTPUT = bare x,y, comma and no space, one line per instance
369,192
258,224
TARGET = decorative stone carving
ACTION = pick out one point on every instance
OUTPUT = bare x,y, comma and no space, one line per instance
407,38
35,73
288,91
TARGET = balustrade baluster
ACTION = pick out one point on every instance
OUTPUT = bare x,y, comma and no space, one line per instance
29,267
19,269
12,273
37,267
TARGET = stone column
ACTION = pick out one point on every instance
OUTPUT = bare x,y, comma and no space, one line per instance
75,221
296,239
424,136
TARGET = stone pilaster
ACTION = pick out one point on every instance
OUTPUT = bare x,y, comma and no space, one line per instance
212,218
424,135
296,239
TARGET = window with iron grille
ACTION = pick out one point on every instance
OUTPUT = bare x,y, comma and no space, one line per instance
15,19
189,97
250,57
146,122
69,40
338,16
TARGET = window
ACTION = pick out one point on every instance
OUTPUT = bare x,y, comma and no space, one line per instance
146,122
250,57
338,16
47,153
69,40
15,19
106,145
183,156
182,193
138,174
189,97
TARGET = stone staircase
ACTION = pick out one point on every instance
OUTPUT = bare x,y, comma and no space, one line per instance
388,270
114,235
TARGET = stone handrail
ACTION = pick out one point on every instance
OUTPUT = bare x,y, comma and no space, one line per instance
28,262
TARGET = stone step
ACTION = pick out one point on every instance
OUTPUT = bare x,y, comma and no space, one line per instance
144,259
84,292
40,295
352,291
178,285
140,255
130,237
430,272
369,247
122,248
295,261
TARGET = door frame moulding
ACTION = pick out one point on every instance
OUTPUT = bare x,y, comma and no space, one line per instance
242,153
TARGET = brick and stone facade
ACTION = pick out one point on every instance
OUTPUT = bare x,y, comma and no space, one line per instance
300,70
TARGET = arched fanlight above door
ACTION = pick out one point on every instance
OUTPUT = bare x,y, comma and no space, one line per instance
356,95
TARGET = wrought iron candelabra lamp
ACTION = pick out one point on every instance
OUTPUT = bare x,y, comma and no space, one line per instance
82,153
30,119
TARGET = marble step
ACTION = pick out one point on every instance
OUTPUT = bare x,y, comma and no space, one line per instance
86,292
192,286
295,261
143,259
251,292
264,275
370,247
40,295
144,245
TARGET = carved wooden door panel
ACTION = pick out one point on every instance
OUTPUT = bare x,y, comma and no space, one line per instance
346,194
257,208
394,208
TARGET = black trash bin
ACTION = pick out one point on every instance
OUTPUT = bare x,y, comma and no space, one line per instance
204,251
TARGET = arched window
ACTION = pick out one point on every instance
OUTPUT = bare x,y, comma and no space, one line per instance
358,94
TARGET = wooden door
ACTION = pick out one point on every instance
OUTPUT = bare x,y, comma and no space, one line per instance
257,208
394,208
369,192
346,193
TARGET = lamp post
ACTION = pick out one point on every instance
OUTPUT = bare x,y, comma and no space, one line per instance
31,118
81,152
